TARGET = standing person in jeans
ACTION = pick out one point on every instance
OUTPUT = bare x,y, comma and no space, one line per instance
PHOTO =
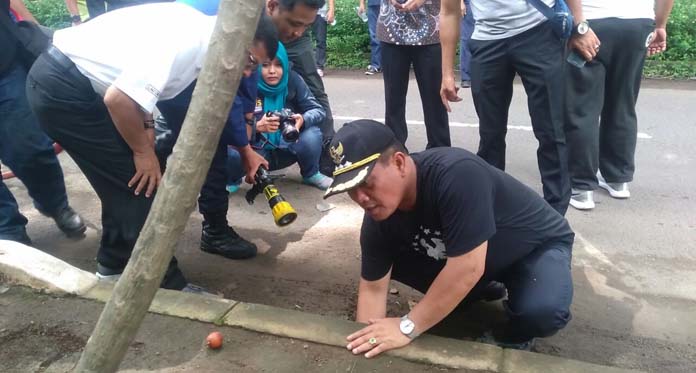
511,38
467,28
409,36
25,147
325,17
292,18
601,124
373,7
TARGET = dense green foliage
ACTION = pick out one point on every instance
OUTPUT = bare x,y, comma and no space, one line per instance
51,13
348,41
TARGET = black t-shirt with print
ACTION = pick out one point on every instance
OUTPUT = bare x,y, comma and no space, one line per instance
462,202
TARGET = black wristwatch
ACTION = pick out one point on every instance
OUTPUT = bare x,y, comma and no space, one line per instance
75,18
581,28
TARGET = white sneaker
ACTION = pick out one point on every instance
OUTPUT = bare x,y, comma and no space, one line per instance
616,190
582,199
107,278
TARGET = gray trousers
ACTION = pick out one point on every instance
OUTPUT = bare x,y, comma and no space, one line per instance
301,54
600,117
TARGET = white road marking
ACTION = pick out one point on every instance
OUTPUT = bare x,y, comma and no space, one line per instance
641,135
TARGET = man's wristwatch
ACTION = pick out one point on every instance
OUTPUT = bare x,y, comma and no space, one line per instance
582,28
408,327
75,18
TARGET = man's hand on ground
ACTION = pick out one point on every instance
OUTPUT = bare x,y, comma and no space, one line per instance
448,92
147,172
587,46
379,336
658,44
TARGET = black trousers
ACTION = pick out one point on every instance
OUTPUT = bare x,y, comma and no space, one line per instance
301,54
71,113
536,56
540,287
427,65
600,123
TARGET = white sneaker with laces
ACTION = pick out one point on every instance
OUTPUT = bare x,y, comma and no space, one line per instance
582,199
616,190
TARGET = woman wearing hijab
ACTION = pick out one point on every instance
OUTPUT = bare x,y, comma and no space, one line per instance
279,88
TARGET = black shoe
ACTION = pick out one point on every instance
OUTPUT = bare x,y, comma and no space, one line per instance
223,240
489,338
494,291
195,289
69,222
22,238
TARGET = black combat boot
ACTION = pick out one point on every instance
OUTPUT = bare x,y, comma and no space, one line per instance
219,238
69,221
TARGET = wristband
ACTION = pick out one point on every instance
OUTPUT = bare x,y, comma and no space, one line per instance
149,124
75,18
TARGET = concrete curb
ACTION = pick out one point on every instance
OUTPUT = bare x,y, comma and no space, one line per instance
26,266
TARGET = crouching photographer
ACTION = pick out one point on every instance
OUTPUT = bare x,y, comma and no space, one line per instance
285,128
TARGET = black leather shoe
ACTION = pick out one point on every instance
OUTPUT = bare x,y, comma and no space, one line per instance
69,222
494,291
223,240
22,238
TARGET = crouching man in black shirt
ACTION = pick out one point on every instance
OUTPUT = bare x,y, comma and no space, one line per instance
447,224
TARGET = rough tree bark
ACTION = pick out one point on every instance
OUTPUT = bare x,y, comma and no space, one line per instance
176,197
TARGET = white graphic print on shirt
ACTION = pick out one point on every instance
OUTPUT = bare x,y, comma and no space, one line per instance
428,241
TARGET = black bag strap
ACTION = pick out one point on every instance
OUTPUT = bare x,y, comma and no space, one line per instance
547,11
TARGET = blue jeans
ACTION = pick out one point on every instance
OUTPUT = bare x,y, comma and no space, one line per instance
26,149
375,46
305,152
467,28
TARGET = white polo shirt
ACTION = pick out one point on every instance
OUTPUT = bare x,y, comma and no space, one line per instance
624,9
150,52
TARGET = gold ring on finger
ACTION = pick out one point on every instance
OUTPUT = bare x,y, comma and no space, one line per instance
372,341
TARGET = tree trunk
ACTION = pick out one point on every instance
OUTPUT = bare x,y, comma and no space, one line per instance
176,197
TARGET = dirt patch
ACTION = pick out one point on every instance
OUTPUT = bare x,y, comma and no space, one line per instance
38,343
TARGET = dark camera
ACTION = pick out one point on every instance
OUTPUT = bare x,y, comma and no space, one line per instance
287,124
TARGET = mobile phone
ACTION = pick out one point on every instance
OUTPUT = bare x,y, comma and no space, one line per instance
576,60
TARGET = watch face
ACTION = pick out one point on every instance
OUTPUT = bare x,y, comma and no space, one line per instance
583,27
407,326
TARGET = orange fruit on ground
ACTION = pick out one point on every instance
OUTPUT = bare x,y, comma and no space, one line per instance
214,340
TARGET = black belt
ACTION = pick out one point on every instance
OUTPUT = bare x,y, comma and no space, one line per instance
59,58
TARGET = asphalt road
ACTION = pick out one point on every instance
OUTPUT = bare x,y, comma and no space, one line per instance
635,278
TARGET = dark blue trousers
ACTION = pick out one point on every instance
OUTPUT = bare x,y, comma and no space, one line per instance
467,28
213,200
375,46
540,288
26,149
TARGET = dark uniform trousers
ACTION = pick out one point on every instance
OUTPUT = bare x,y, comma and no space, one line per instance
71,113
606,88
536,55
427,66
